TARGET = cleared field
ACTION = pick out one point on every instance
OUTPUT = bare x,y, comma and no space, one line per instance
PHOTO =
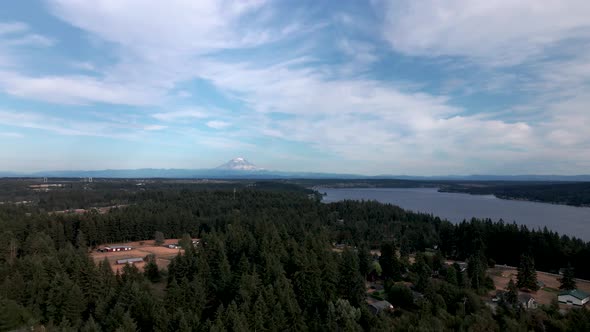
502,275
140,250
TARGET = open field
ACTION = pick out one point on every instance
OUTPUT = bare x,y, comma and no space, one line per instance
140,249
502,275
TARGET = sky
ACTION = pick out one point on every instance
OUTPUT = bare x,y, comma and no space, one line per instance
369,87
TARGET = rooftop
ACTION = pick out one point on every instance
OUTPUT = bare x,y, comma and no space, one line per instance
578,294
382,305
524,297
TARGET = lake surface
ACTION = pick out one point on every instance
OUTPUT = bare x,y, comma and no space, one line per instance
570,220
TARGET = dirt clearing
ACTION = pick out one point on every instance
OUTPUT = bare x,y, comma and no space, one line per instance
550,289
141,249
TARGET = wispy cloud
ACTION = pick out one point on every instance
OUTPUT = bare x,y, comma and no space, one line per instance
154,127
11,134
183,114
7,28
70,127
496,33
216,124
383,90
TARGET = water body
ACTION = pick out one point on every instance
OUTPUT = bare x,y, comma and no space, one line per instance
455,207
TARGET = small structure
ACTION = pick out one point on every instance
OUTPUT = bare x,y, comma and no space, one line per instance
173,246
378,307
462,266
130,260
115,248
527,301
574,297
499,296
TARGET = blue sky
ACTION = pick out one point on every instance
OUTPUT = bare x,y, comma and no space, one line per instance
372,87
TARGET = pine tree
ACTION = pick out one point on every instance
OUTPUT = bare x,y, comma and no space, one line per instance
351,282
127,324
423,279
342,316
476,270
511,295
91,326
567,281
151,270
389,262
159,238
451,275
527,275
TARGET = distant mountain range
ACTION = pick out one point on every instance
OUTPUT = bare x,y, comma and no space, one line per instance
240,168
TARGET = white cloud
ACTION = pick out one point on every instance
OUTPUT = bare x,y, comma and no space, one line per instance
493,32
171,26
15,35
11,134
363,119
183,114
361,52
75,89
335,111
73,126
7,28
154,127
216,124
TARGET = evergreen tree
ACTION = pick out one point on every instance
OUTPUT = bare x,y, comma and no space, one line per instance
527,275
567,281
91,326
151,270
159,238
351,282
423,274
342,316
451,275
511,295
389,261
476,270
127,324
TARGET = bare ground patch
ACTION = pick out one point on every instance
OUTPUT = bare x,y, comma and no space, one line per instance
141,249
502,275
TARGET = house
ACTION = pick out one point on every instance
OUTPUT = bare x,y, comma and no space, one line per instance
462,266
130,260
574,297
527,301
499,296
115,248
378,307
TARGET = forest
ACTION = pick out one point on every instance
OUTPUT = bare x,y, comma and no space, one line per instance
266,262
568,193
576,194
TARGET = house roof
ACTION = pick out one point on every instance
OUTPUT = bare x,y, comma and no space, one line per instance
578,294
525,297
129,260
381,305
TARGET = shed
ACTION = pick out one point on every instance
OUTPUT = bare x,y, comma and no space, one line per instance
118,248
527,301
380,306
574,297
130,260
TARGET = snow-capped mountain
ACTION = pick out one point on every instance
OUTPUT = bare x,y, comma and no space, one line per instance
239,164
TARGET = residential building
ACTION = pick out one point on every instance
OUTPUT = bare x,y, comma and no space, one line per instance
574,297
